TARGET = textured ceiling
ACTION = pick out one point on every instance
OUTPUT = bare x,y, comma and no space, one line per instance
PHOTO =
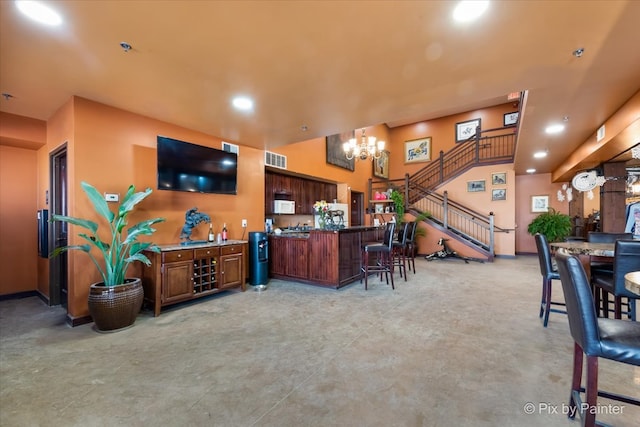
329,65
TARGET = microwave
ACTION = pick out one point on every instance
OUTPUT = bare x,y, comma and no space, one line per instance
284,207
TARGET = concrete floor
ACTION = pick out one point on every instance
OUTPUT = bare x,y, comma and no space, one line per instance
457,345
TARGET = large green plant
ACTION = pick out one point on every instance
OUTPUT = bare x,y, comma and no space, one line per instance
555,226
122,248
398,201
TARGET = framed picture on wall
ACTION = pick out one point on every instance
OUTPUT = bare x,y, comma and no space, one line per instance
335,150
465,130
381,165
474,186
499,194
539,203
510,119
499,178
417,150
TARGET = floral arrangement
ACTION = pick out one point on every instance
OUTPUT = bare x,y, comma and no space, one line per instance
322,208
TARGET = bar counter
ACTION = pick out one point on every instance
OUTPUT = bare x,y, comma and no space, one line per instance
329,258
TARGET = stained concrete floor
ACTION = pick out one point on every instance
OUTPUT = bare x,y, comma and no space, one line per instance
456,345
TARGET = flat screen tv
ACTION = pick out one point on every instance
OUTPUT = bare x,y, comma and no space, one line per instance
183,166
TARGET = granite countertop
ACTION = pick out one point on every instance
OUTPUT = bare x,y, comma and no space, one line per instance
199,244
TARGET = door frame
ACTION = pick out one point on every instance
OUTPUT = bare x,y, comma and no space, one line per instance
58,266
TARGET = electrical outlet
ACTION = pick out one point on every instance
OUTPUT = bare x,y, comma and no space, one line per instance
244,223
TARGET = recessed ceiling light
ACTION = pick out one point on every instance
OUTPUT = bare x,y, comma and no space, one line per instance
39,12
469,10
554,129
531,170
540,154
242,103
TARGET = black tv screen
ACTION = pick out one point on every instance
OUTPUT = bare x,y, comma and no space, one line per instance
183,166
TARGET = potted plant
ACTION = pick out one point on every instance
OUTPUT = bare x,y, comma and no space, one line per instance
555,226
398,202
115,301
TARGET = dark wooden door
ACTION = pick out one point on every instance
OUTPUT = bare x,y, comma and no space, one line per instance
357,206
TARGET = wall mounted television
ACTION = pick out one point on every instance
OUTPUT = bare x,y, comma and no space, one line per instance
183,166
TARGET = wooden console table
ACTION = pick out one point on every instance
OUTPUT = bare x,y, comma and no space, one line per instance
184,272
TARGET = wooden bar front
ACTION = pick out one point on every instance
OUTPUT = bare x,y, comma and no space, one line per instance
328,258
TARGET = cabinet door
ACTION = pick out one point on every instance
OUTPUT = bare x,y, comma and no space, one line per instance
277,256
177,281
268,193
230,271
296,264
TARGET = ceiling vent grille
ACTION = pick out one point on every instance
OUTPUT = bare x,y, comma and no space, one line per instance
275,160
230,148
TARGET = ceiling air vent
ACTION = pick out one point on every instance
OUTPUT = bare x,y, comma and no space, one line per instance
230,148
275,160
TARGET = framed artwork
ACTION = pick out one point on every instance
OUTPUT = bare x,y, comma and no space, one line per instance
539,203
474,186
381,165
465,130
335,151
417,150
499,194
499,178
510,119
379,208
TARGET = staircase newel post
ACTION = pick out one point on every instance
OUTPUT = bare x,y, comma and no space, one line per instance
441,167
491,233
406,191
445,213
477,139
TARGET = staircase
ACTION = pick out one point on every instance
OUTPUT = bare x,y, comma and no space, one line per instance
477,230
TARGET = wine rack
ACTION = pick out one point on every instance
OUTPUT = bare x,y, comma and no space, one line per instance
205,272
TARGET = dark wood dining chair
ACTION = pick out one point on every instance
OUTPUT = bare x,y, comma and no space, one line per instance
612,339
382,251
548,274
627,259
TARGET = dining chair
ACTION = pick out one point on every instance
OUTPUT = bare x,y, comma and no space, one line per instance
382,251
399,250
602,264
612,339
548,274
627,259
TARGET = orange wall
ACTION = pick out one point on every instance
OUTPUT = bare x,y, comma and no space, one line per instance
18,226
111,148
527,186
23,132
442,133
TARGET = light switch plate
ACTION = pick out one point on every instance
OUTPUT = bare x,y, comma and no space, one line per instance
110,197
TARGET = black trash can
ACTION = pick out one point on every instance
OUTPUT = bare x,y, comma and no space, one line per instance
258,258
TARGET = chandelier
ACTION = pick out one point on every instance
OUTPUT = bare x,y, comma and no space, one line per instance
367,148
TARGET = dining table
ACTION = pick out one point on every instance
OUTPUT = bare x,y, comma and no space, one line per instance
586,251
632,282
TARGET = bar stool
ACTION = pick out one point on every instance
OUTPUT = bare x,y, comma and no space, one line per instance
399,250
595,338
548,274
411,244
382,251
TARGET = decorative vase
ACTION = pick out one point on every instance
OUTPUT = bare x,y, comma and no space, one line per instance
115,307
321,222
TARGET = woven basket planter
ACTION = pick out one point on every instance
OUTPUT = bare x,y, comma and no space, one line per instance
116,307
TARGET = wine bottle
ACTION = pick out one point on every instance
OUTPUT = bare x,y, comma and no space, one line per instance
224,232
211,235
